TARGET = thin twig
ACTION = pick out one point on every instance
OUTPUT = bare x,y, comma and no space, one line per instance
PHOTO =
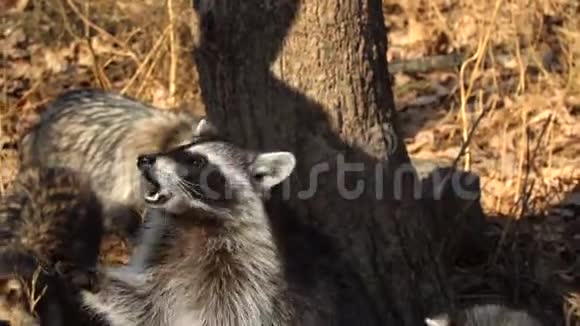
465,94
96,27
98,70
87,14
443,23
33,297
65,20
149,71
145,61
4,97
531,158
521,159
526,195
521,66
173,51
470,134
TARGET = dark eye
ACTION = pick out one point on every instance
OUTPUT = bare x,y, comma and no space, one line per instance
198,161
259,176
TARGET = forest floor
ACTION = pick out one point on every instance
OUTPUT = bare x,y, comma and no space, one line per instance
510,72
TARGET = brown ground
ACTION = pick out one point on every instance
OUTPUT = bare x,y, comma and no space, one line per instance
521,67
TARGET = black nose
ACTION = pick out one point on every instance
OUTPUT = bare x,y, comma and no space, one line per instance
145,161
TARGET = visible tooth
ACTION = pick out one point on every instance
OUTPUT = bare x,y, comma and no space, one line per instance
154,197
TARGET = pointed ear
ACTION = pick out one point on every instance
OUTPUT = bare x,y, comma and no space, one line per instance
269,169
436,322
205,128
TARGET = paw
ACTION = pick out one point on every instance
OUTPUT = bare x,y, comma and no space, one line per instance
90,299
80,277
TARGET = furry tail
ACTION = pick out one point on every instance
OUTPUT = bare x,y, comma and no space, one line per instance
48,210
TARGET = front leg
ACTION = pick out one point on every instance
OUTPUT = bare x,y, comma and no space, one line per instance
80,277
123,298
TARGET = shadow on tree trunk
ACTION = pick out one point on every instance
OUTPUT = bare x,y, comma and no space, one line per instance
312,78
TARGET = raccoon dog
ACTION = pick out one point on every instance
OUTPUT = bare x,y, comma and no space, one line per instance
50,223
100,134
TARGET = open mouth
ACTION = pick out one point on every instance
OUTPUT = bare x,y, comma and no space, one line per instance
154,194
156,198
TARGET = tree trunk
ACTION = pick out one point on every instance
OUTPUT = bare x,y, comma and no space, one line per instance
311,77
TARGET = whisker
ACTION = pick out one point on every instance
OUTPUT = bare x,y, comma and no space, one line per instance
189,185
186,189
230,182
187,194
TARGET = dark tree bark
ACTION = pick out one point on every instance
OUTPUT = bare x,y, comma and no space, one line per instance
311,77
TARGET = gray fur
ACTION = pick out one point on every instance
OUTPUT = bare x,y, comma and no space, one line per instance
101,134
50,224
53,214
484,315
151,234
213,265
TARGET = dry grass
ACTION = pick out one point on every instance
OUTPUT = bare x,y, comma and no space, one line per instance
521,69
132,47
30,291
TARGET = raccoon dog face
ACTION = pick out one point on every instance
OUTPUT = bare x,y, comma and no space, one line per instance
212,175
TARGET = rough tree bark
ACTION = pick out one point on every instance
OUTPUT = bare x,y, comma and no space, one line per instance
311,77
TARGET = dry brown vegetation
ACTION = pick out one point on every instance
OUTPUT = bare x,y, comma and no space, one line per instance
520,72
